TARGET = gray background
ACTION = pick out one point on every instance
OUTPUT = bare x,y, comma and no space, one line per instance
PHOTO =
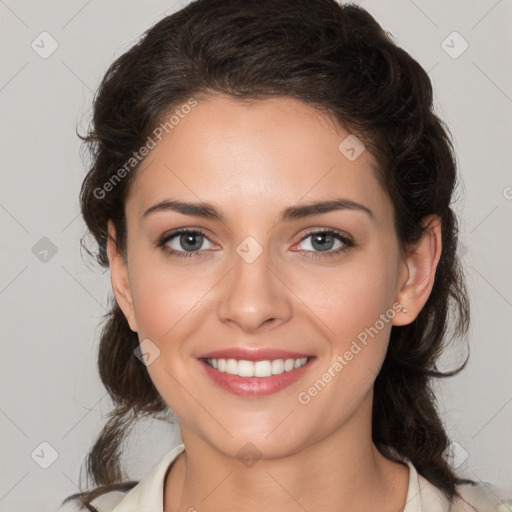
51,304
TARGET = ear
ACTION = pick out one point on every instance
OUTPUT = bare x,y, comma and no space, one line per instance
419,269
120,278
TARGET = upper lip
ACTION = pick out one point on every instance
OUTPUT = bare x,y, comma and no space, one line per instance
255,354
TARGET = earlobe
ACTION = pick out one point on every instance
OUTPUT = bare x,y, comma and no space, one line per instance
421,263
120,278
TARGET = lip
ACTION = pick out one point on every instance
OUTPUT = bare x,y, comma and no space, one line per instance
255,354
254,387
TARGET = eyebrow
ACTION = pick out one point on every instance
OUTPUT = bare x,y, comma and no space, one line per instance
209,211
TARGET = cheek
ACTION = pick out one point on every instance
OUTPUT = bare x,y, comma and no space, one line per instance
355,305
165,296
166,300
356,313
353,297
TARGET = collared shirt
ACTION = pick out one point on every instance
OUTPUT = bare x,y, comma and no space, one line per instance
148,494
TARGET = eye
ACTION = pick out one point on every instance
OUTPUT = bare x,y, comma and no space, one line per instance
190,242
184,242
323,241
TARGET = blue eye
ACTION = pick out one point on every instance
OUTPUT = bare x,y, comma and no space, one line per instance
322,242
189,242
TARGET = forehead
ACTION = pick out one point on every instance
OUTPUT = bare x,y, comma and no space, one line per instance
255,155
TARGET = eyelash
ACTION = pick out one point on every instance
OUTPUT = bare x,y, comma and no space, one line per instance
348,243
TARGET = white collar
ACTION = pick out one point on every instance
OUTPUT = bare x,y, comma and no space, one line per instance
148,494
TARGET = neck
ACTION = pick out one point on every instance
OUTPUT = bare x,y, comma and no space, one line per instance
343,471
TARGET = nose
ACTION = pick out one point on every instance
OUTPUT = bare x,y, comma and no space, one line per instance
254,295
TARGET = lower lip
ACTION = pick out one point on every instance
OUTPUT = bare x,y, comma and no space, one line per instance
255,386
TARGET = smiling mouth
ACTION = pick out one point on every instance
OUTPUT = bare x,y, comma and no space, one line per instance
264,368
257,373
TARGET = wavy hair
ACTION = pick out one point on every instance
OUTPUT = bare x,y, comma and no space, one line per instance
338,59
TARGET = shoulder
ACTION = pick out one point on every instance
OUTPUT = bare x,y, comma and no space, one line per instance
477,498
148,491
104,503
484,497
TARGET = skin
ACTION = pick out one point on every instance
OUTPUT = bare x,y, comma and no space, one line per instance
252,161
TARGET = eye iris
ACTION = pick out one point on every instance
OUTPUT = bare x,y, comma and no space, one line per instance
189,237
320,238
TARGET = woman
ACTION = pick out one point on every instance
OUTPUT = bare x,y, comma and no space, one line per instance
271,191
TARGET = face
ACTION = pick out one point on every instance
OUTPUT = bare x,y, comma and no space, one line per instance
264,279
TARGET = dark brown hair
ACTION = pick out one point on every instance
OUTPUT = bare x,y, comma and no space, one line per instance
335,58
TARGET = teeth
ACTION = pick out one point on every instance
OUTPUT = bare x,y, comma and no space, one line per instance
266,368
289,365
